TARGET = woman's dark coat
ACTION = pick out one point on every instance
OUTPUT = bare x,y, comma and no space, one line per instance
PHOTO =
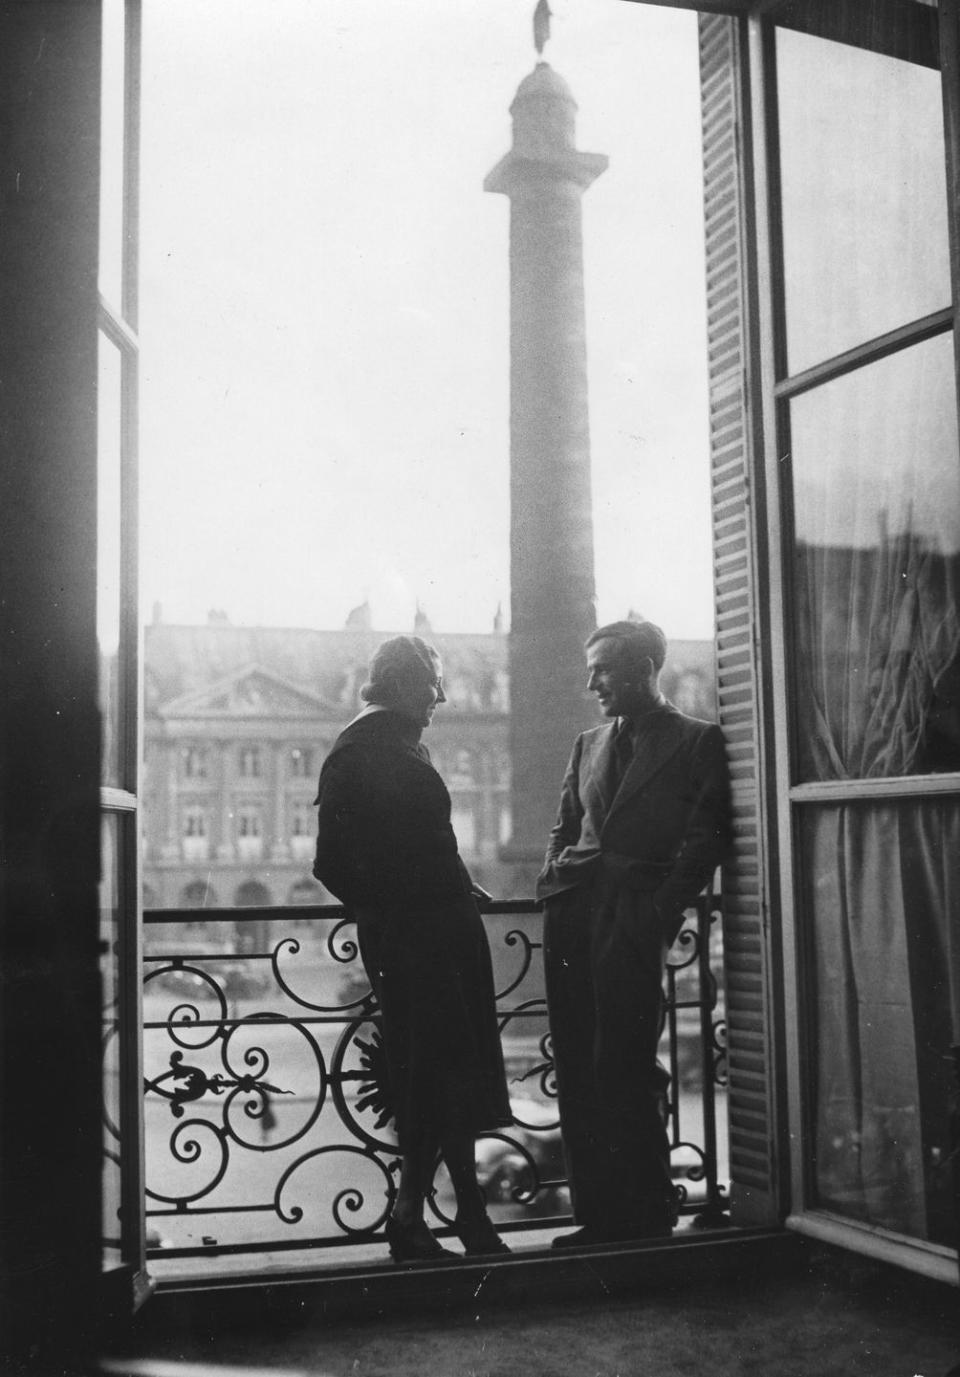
386,849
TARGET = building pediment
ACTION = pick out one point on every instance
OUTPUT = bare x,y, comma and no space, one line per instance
251,692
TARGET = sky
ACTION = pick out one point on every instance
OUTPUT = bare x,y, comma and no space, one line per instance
324,314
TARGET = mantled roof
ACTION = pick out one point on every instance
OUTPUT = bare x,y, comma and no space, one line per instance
250,692
184,665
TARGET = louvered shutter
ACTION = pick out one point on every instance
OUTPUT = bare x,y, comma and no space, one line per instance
750,1101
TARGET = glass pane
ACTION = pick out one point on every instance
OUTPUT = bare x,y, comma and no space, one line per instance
109,974
109,439
877,569
111,152
882,898
864,195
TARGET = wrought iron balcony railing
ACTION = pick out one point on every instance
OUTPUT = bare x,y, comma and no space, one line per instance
266,1125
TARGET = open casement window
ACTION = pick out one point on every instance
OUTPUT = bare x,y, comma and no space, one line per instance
866,424
117,632
830,216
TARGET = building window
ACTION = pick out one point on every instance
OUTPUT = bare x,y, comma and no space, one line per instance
303,829
249,834
195,762
194,823
251,764
301,763
248,823
196,842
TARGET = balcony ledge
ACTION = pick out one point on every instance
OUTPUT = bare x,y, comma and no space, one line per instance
532,1258
724,1302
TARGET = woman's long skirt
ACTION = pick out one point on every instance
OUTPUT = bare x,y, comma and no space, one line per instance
431,972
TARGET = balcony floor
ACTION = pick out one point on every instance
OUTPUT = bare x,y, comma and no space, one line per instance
721,1305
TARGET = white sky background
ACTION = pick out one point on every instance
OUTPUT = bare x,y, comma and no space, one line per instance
325,316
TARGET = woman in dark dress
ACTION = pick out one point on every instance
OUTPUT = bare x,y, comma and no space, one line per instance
386,849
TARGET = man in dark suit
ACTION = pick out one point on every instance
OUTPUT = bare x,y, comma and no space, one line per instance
643,823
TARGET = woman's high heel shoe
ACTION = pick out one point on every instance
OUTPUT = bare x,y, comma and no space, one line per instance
413,1242
479,1237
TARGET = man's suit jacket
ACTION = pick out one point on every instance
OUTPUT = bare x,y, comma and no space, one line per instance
664,830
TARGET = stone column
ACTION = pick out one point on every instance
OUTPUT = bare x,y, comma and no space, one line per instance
551,534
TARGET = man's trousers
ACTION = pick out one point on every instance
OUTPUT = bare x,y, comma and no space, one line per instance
604,957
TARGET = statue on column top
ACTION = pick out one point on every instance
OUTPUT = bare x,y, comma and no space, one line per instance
541,26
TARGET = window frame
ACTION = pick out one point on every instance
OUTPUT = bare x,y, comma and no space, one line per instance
117,323
194,762
252,755
771,406
301,812
787,386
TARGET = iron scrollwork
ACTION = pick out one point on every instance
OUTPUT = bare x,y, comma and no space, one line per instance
279,1056
192,1083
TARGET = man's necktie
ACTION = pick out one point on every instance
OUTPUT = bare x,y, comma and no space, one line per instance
623,745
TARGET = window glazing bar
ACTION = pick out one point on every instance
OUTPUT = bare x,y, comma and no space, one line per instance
116,328
913,333
850,790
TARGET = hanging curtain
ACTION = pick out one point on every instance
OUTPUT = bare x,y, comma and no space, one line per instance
885,642
878,666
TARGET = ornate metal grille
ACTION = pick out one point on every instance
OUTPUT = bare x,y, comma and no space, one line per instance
267,1124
